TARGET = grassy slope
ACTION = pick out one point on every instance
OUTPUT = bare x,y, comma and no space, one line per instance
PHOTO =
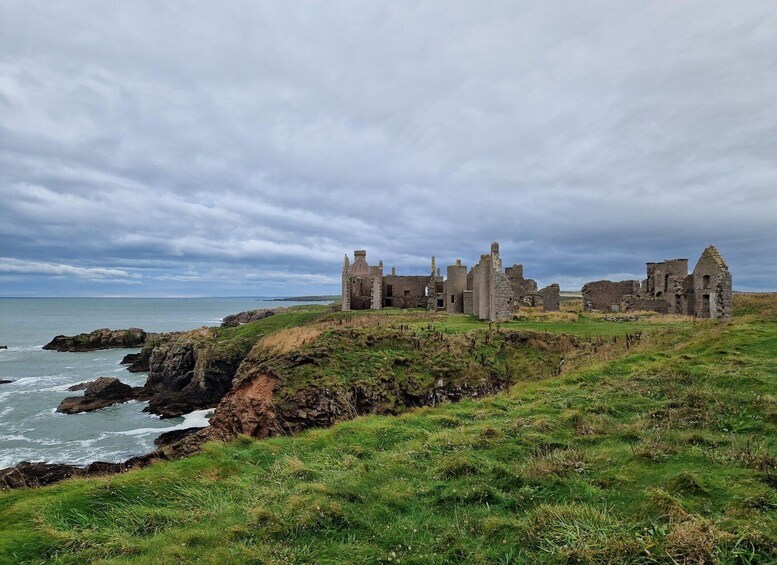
661,455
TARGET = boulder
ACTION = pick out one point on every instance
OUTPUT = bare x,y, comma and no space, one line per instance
100,393
5,382
3,347
99,339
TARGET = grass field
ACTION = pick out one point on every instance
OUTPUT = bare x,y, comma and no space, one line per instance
664,454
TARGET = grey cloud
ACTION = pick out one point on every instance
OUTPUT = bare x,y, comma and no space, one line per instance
243,148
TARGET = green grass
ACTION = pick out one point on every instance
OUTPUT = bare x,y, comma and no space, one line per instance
663,455
243,337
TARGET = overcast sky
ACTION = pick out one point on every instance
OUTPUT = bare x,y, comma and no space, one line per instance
241,148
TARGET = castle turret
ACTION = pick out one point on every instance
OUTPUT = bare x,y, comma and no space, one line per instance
346,287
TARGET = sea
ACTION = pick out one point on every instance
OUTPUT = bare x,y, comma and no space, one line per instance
30,427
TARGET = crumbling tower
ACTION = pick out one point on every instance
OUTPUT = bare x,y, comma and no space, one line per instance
455,285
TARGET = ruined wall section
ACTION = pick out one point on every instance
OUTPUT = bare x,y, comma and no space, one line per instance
475,274
551,298
502,306
606,296
712,286
404,291
467,300
376,294
455,285
483,287
632,303
346,292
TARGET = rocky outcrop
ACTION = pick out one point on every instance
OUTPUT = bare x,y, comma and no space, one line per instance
100,393
99,339
189,372
129,359
186,371
5,382
248,409
27,474
3,347
173,445
245,317
174,436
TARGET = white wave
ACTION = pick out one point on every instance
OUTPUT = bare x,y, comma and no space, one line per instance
42,379
196,419
12,348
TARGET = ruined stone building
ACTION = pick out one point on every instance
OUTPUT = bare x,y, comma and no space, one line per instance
669,289
487,290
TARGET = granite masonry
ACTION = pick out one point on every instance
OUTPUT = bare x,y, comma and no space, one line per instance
669,289
487,290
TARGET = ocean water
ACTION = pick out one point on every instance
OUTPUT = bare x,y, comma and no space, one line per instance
30,427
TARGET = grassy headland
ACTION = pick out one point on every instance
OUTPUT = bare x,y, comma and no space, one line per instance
662,452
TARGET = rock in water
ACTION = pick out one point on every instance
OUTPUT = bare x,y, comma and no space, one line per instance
4,382
99,339
245,317
100,393
3,347
129,359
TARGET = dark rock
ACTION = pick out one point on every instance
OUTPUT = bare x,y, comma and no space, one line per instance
245,317
140,363
99,339
174,436
129,359
3,347
188,373
100,393
5,382
27,474
80,386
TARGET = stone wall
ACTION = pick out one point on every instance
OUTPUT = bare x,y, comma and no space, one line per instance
606,296
633,303
467,300
712,286
455,285
551,298
502,307
402,291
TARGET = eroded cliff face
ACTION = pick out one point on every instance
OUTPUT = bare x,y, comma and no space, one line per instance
248,409
187,372
349,373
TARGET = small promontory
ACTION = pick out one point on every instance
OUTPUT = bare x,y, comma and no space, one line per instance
99,339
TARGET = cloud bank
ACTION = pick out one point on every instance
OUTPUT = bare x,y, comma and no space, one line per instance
242,149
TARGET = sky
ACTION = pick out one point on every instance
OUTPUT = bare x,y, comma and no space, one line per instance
242,148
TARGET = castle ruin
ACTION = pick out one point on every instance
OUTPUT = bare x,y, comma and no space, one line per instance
487,290
669,289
